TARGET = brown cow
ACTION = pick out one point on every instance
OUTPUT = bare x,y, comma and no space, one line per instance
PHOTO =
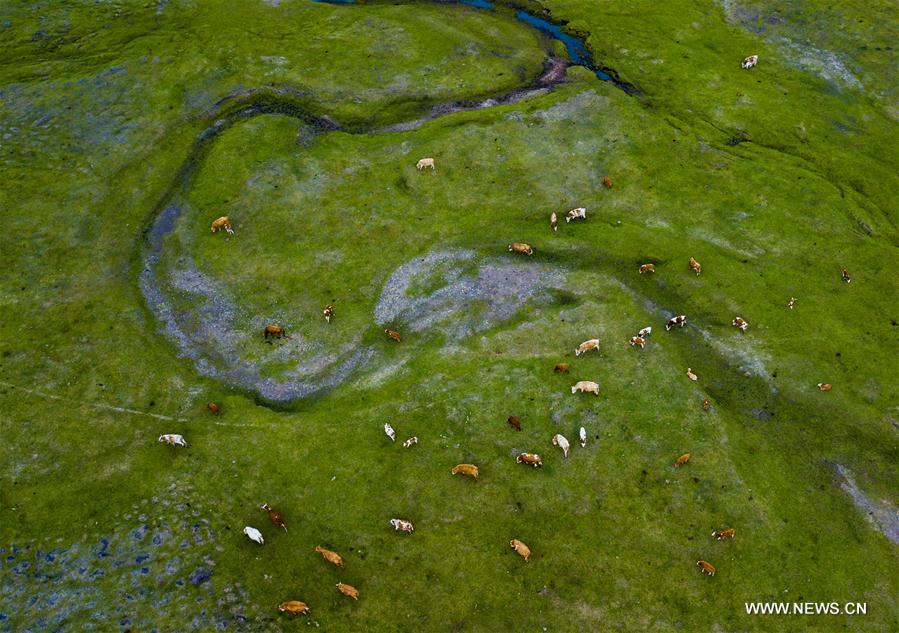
521,549
680,320
724,534
647,268
638,340
521,247
530,458
554,221
392,334
695,266
328,312
606,182
466,469
348,590
706,567
825,386
739,323
683,459
846,276
274,331
706,405
293,606
332,557
274,515
514,422
213,407
561,368
222,223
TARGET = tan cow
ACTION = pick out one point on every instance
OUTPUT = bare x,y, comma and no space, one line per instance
691,375
466,469
293,606
585,386
739,323
695,266
554,221
723,535
530,458
638,340
521,549
521,247
606,182
586,346
348,590
825,386
706,567
683,459
750,62
561,368
560,441
647,268
332,557
392,335
273,331
223,223
425,163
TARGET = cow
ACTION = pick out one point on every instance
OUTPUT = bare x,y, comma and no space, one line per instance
412,440
724,534
275,516
574,214
389,431
223,223
825,386
425,163
739,323
749,62
846,276
706,567
466,469
514,422
586,346
254,535
583,436
393,335
521,247
560,441
213,408
585,386
273,331
328,312
683,459
173,439
645,332
402,524
561,368
706,405
606,182
691,375
529,458
647,268
679,320
554,221
332,557
695,266
293,606
791,303
521,549
637,340
348,590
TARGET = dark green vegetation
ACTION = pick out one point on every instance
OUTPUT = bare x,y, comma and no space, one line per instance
774,179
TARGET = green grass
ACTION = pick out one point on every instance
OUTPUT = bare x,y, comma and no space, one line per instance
326,217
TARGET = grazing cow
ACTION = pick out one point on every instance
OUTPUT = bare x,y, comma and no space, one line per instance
749,62
530,458
706,405
521,247
738,322
645,332
254,535
683,459
846,276
424,163
561,368
412,440
402,524
560,441
466,469
574,214
173,439
393,335
606,182
638,340
348,590
332,557
293,606
583,435
521,549
554,221
328,312
222,223
695,266
514,422
724,534
706,567
586,346
679,320
273,331
213,407
389,431
275,516
825,386
792,303
647,268
585,386
691,375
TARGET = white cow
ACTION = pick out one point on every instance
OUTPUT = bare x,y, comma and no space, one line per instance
424,163
402,524
645,332
554,221
585,386
389,431
254,534
172,439
586,346
560,441
750,61
583,435
574,214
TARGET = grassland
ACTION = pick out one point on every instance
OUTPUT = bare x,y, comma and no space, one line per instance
774,179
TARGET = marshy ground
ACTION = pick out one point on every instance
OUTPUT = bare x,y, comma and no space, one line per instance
125,129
